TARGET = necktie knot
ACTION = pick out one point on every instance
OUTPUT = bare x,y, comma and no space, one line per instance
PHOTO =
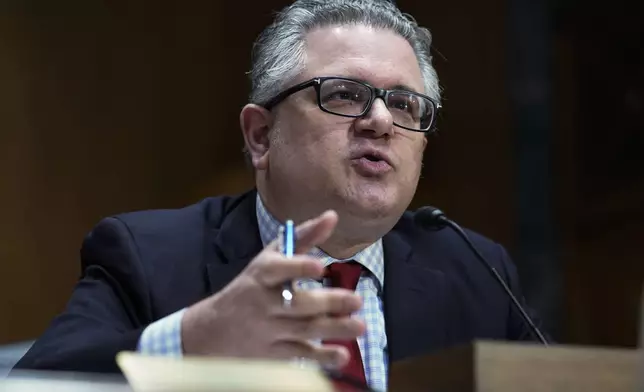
344,275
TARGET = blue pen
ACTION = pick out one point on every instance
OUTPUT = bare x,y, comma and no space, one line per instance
289,239
288,249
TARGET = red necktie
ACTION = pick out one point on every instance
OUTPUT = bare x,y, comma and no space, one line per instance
346,276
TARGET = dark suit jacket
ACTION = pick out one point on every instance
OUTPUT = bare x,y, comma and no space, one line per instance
139,267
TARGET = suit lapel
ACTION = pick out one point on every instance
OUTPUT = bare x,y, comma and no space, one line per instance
234,243
415,301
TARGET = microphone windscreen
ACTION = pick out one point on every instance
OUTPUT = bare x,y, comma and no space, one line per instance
430,218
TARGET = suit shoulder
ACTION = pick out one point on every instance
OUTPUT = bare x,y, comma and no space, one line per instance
444,238
154,226
445,249
159,235
207,211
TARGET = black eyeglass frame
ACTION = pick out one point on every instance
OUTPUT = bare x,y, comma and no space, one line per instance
375,93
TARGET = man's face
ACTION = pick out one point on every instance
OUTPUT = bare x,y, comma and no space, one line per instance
320,160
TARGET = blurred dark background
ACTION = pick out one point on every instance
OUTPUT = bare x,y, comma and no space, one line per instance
118,105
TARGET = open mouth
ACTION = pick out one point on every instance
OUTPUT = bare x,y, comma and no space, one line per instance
372,158
372,164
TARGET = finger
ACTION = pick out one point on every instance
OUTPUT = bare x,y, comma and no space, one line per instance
327,328
316,235
312,232
325,355
272,269
319,302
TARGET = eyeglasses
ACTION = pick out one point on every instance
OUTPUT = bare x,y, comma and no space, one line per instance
351,98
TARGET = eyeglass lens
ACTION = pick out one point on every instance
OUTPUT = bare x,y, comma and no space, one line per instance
346,97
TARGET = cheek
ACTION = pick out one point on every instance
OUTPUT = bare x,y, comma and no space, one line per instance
315,148
414,155
304,127
324,135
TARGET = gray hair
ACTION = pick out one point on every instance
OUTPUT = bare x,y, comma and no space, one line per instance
279,52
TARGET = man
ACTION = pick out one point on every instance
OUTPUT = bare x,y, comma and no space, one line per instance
343,98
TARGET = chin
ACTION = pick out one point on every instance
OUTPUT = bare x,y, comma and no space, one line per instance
370,205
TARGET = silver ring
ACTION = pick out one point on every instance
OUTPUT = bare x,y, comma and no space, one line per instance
287,297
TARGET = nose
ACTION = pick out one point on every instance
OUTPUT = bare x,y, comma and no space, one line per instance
377,122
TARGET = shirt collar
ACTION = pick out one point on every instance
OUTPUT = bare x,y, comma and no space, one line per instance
372,257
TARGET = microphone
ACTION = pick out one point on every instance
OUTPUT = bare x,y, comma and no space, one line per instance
432,218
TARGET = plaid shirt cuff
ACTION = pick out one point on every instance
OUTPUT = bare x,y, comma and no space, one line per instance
163,337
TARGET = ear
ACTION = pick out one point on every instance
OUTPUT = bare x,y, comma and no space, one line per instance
255,123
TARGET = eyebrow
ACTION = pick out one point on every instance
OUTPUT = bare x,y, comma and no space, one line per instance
404,87
394,87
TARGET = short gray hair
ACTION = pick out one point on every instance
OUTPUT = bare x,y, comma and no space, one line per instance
279,54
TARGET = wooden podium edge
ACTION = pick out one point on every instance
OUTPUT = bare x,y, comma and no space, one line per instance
510,366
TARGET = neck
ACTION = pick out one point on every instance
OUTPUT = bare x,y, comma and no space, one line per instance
339,250
349,237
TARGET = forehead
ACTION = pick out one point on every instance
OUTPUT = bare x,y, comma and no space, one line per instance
378,56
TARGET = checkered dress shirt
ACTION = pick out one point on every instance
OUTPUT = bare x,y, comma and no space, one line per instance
163,337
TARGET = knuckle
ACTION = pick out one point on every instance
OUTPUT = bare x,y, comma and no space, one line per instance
330,328
304,328
304,264
301,301
346,327
338,303
265,266
317,303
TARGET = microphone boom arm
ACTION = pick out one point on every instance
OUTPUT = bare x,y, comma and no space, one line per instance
498,277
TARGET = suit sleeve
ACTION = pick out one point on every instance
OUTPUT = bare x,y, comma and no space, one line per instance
518,329
107,312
